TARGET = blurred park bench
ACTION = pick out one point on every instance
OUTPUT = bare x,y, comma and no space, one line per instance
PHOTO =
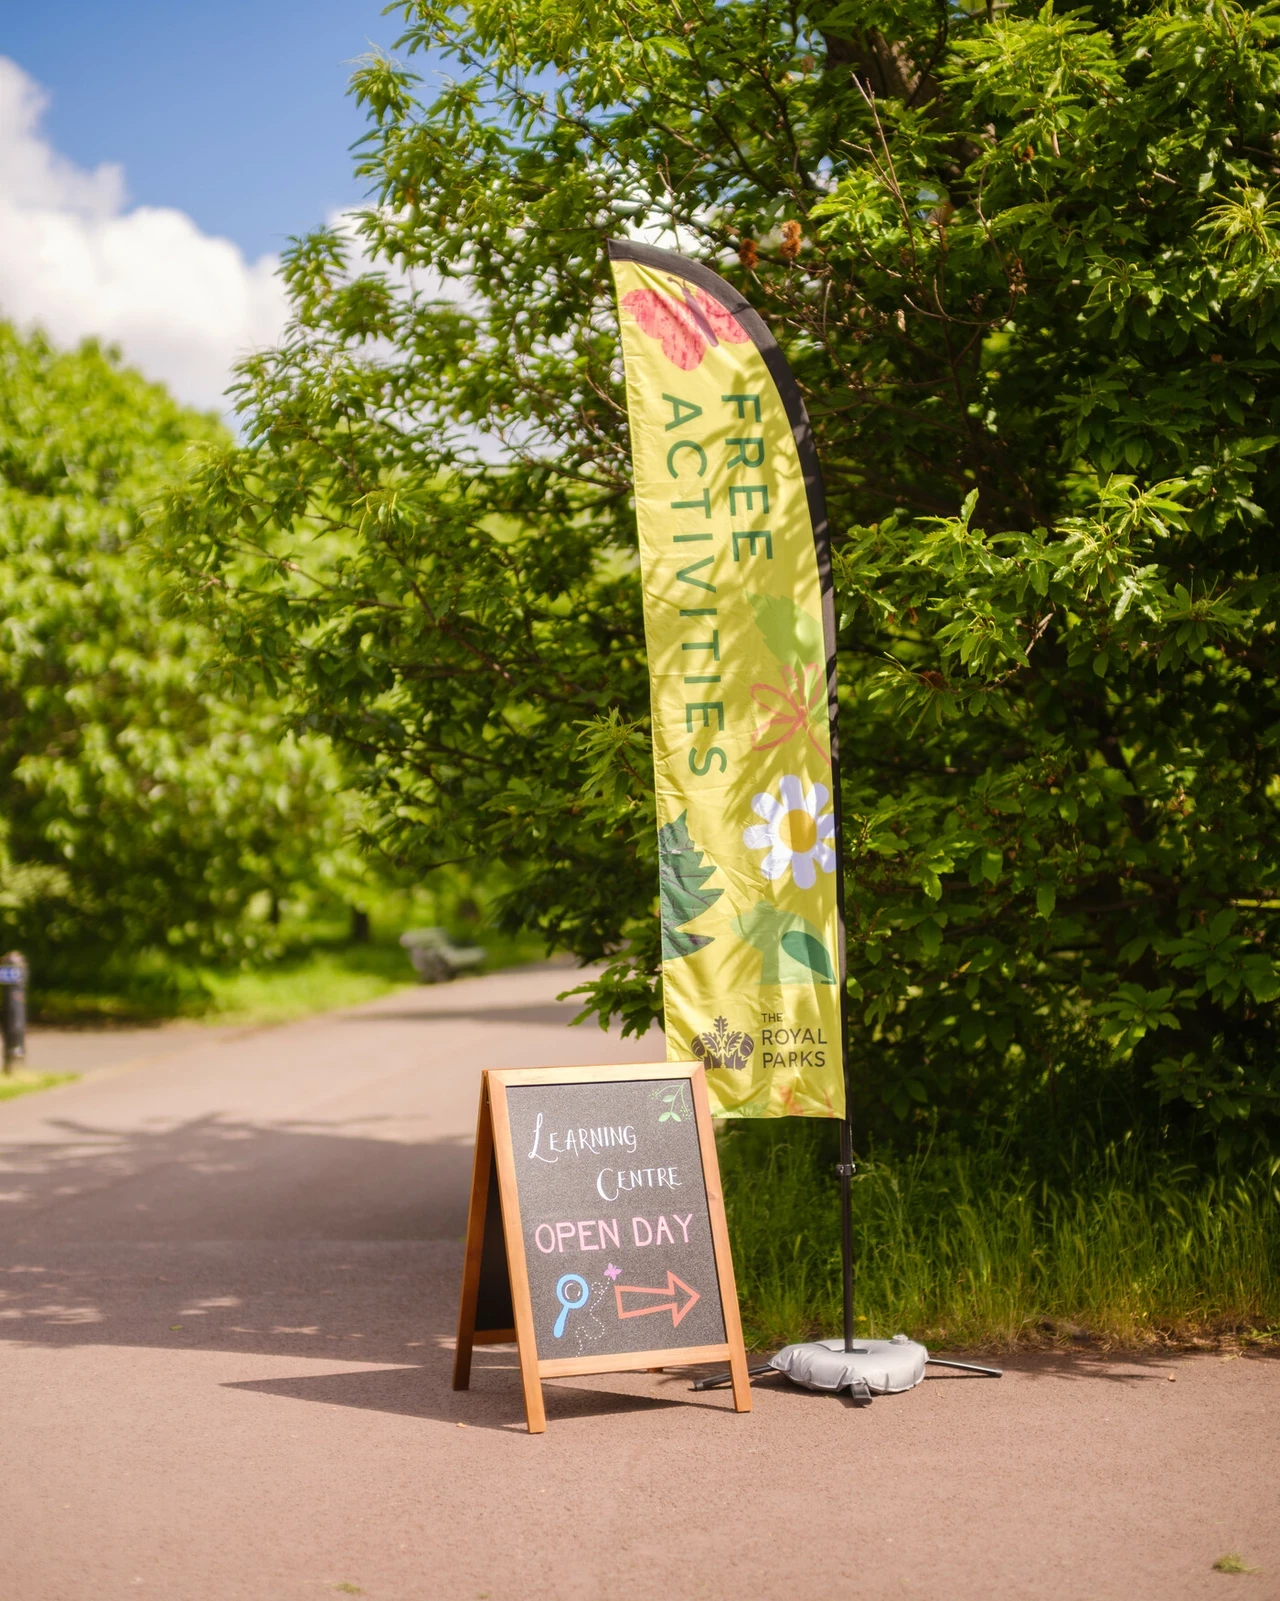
435,958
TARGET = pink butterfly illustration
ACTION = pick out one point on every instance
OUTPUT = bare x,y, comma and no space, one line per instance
686,327
787,709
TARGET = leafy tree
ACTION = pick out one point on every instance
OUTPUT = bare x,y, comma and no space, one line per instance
1025,265
140,806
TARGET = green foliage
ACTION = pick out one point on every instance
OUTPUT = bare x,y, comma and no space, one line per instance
681,895
140,806
1073,832
1025,265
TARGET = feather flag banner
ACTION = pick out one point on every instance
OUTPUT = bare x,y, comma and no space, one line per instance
740,628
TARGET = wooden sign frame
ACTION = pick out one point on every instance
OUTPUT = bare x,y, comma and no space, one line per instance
494,1156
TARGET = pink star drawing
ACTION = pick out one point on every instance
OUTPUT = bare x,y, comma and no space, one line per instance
612,1272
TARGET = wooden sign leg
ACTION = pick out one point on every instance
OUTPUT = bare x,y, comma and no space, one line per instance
724,1256
521,1306
534,1409
741,1382
475,1244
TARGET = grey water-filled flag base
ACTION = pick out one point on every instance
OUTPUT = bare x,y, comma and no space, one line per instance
871,1367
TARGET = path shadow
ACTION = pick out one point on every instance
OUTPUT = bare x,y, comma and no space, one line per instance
226,1178
1149,1366
282,1238
413,1392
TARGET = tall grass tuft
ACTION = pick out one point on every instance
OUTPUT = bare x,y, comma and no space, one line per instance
962,1248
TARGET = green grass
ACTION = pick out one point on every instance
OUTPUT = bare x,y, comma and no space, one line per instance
963,1249
21,1082
317,980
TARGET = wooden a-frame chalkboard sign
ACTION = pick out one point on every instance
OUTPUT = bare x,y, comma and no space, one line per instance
596,1238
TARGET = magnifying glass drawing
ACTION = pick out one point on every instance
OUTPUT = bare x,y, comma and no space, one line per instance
568,1282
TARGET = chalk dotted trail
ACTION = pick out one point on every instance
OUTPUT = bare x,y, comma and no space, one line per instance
585,1326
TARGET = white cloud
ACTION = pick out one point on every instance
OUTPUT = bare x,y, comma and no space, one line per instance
75,259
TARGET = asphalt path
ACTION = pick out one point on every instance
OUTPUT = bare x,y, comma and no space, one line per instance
229,1265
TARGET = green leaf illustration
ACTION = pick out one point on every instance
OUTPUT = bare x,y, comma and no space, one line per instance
681,895
791,948
674,1100
793,636
812,952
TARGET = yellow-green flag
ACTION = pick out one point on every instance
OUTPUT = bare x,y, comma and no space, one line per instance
740,627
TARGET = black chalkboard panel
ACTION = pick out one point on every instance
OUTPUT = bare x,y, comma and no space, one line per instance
613,1212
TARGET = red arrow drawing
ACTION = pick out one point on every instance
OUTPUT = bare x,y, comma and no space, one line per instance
671,1304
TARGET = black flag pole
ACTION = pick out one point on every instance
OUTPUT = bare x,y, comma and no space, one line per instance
846,1171
845,1167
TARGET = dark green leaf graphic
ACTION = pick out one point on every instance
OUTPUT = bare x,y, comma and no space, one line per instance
812,952
681,877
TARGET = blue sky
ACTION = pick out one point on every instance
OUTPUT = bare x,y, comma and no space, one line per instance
156,156
233,112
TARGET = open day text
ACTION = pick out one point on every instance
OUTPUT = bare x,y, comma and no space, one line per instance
597,1234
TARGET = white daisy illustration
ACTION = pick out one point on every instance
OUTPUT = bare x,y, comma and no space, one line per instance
793,832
